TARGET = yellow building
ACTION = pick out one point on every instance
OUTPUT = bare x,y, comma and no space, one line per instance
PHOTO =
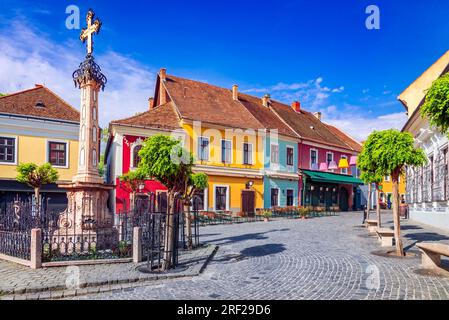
386,195
37,126
212,123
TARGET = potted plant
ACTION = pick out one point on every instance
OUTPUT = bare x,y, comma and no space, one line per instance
304,212
267,214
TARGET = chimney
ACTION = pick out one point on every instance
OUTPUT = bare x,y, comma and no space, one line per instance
38,85
266,100
235,92
162,93
163,74
296,105
151,103
317,115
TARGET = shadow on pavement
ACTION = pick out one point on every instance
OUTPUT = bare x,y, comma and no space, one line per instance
264,250
244,237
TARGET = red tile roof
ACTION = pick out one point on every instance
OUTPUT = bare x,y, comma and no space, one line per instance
161,117
198,101
308,126
38,102
351,142
265,115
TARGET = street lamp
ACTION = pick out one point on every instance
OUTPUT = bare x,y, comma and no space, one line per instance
249,184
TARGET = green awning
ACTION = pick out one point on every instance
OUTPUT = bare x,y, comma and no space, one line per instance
318,176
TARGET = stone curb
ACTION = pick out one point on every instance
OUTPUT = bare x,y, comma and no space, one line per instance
58,292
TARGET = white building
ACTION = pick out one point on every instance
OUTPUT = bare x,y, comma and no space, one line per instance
427,187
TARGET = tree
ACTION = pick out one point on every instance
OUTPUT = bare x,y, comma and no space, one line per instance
165,160
387,153
36,176
132,182
196,182
436,105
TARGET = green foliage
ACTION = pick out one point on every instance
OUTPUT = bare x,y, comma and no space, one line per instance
133,179
164,159
105,135
35,176
436,105
267,214
387,151
199,181
3,94
304,211
101,166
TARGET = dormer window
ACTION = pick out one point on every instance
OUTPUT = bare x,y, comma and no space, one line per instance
39,104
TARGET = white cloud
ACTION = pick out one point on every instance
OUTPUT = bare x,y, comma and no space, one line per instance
28,57
311,93
360,125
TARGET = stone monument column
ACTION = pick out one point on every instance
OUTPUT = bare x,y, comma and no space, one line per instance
87,216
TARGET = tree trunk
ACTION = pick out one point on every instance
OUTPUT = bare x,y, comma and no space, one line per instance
368,205
397,219
169,225
379,217
188,225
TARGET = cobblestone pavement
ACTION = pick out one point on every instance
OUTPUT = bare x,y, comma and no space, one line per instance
322,258
22,282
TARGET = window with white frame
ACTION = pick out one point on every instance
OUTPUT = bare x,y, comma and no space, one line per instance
226,151
274,197
329,158
57,153
247,153
344,170
274,153
135,158
387,178
290,156
203,149
313,158
8,150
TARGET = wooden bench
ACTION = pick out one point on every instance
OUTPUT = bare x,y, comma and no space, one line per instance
431,254
371,225
385,236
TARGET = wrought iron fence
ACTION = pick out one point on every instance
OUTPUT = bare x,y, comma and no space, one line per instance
71,235
16,221
15,244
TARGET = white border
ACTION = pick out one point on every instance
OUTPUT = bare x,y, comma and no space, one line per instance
279,196
290,168
252,154
198,145
227,196
138,142
67,154
16,148
333,159
221,153
286,197
275,165
341,170
317,157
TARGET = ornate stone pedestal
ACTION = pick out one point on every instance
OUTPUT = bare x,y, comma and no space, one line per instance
87,221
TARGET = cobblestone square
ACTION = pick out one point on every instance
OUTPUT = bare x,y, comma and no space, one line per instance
321,258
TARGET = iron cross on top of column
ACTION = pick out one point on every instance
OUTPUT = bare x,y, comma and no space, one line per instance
93,27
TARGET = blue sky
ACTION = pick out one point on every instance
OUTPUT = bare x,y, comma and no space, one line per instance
319,52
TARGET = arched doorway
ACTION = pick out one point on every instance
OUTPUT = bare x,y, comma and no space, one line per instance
344,199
